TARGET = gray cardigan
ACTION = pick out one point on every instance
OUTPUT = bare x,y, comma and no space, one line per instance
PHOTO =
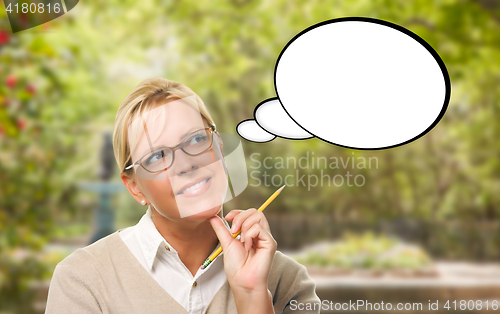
105,277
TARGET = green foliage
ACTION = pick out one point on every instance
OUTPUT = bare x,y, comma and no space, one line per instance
32,154
366,251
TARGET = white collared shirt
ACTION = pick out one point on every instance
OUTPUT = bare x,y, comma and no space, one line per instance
161,260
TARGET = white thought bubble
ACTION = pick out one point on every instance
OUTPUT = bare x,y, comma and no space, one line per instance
355,82
253,132
270,116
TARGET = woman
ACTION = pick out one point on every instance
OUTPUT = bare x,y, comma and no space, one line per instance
169,154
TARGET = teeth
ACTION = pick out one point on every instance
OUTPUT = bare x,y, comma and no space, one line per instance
192,187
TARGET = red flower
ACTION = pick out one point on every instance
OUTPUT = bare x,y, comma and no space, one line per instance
21,124
31,89
4,37
1,130
11,81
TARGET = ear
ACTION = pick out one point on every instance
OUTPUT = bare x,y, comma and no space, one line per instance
132,186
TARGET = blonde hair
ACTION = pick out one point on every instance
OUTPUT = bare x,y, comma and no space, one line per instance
143,97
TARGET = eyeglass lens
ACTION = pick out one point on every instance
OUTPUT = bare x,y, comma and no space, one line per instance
195,144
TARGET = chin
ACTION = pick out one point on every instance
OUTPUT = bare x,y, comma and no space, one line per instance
206,214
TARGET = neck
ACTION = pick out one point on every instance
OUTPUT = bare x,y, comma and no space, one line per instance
193,240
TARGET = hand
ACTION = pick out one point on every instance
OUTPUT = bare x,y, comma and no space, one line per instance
248,261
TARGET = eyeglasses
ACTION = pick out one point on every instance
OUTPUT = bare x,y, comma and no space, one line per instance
162,158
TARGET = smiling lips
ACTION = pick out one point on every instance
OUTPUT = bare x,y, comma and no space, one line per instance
195,187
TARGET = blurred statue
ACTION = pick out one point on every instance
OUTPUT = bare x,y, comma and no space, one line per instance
104,214
107,158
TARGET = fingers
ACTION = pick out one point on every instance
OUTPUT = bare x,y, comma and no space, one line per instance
232,214
246,220
243,220
240,217
221,231
260,237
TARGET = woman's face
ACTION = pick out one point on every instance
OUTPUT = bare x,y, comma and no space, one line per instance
193,187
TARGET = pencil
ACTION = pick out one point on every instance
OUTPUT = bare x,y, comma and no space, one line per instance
261,208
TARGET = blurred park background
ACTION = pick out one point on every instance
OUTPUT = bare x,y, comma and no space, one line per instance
428,212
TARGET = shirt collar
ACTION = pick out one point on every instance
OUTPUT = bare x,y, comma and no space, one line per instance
150,239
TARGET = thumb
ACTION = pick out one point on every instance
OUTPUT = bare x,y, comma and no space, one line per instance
221,231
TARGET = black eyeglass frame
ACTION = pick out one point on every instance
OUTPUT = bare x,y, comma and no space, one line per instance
180,146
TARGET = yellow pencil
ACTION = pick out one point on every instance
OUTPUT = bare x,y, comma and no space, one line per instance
219,250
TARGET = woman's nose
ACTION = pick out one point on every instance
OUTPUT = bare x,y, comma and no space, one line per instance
183,163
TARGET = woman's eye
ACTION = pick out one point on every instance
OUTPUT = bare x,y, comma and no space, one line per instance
199,138
155,157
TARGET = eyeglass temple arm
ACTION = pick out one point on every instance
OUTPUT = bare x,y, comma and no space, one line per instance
135,163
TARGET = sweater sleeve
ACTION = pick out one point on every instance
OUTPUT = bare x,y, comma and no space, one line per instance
294,290
303,298
69,293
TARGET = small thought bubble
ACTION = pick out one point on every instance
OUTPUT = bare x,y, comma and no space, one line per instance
354,82
271,116
254,132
